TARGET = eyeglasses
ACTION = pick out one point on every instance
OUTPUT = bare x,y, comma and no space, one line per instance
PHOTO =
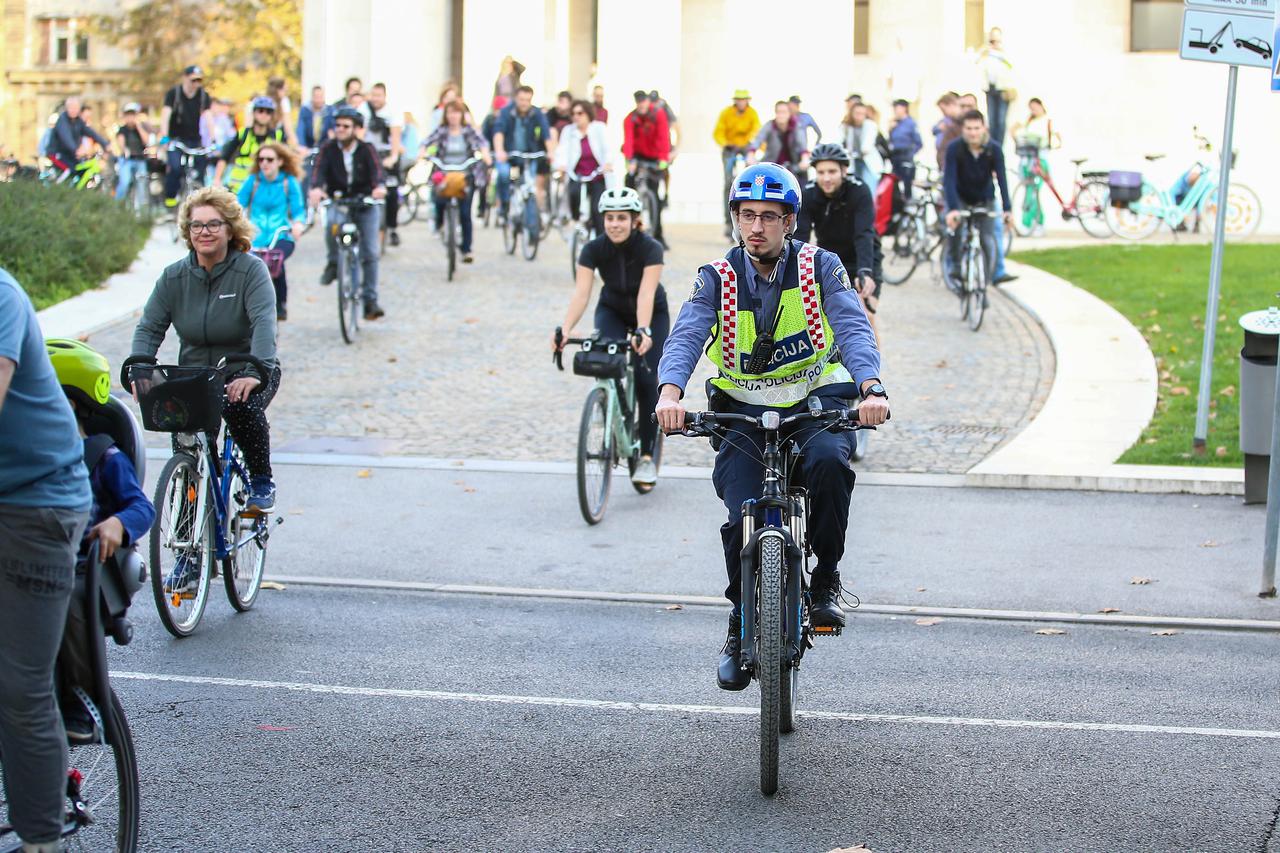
263,110
213,226
270,159
579,113
344,125
748,217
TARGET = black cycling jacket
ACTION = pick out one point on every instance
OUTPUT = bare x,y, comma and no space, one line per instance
844,223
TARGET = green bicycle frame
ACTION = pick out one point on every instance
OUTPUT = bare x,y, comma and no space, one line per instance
1172,212
618,419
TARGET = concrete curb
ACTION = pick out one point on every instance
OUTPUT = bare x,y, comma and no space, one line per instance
119,297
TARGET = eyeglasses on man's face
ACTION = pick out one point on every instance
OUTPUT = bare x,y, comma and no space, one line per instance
768,218
213,226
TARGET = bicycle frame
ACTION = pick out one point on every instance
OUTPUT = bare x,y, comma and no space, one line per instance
215,484
1173,212
618,415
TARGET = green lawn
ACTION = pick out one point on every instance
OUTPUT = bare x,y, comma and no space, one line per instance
58,241
1162,291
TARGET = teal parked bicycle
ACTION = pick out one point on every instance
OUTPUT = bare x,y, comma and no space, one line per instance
610,427
1193,196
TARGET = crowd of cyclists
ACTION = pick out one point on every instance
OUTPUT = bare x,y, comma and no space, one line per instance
784,320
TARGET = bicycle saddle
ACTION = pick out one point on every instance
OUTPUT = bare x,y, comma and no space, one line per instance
1153,157
1079,160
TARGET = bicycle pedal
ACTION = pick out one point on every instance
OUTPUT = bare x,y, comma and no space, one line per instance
826,630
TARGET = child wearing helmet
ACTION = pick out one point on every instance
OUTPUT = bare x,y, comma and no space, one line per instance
120,516
632,299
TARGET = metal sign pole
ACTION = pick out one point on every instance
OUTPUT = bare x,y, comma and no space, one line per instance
1215,268
1273,504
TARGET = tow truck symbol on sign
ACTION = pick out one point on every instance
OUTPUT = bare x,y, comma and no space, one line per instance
1211,45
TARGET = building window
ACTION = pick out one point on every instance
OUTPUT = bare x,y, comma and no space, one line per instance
65,43
861,27
82,48
975,24
1155,24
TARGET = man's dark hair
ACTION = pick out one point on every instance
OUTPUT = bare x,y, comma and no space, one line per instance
586,106
317,88
948,99
973,115
528,89
350,80
902,102
795,99
640,95
565,94
382,86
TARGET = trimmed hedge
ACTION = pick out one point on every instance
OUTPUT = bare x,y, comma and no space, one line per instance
57,241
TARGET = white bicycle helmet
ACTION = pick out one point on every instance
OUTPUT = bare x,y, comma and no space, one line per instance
623,198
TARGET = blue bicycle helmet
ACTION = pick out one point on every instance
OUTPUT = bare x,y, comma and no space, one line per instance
262,102
766,182
351,114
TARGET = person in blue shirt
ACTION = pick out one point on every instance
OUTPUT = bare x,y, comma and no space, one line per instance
904,144
315,125
804,121
801,296
44,505
272,198
120,516
521,128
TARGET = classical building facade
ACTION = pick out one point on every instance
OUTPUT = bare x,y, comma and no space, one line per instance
48,53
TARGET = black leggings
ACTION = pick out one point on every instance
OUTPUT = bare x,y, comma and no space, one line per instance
247,423
615,325
595,189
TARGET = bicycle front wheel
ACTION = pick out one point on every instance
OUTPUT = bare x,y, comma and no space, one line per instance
1091,209
576,242
1244,210
409,205
348,300
649,206
242,570
510,230
181,547
977,289
769,659
595,457
532,228
108,787
451,236
1025,206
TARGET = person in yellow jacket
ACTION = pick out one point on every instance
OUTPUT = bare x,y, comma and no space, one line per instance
735,129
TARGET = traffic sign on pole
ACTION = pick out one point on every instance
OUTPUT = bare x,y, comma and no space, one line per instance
1257,7
1275,40
1233,38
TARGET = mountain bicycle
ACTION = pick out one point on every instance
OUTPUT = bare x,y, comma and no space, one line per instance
583,231
201,497
347,233
450,231
191,168
102,802
776,550
523,221
1198,187
973,273
91,173
610,426
1087,205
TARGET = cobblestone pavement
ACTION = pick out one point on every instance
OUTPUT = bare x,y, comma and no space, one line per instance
463,369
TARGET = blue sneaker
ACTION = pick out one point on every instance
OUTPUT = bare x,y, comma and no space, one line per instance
184,575
262,495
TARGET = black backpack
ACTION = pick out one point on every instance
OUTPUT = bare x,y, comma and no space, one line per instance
882,146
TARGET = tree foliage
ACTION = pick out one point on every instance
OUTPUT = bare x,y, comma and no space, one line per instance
238,43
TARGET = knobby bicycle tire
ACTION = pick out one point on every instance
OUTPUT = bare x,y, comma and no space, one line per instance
594,456
182,472
769,659
242,571
451,236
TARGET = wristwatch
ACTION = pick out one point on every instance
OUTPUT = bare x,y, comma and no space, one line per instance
876,390
646,331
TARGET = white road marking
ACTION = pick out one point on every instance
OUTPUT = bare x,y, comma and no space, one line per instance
673,708
1119,619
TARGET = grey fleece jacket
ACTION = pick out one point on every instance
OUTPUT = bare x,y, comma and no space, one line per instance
230,309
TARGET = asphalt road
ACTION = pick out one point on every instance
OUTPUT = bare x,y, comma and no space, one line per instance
365,720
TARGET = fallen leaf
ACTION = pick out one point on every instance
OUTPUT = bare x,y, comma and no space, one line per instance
272,585
1141,581
366,405
1154,327
1209,543
469,490
1110,610
674,607
364,473
940,365
471,321
1050,632
921,589
923,398
1220,451
1165,632
392,359
1229,391
861,848
1151,441
1179,390
84,339
928,622
295,512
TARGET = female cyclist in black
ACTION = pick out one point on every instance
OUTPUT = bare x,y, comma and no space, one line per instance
630,264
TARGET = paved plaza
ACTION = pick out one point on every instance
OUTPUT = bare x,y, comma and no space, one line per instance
462,369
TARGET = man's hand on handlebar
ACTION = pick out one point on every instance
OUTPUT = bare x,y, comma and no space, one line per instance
379,192
670,411
873,411
316,195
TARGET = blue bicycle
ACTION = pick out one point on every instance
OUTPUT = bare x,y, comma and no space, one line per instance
201,497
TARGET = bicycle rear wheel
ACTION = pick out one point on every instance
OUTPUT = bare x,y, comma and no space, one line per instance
181,547
769,660
1244,210
904,255
242,570
409,205
532,228
451,236
976,289
348,300
108,787
1091,209
1140,219
595,457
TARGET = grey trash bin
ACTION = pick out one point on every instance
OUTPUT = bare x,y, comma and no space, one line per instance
1258,398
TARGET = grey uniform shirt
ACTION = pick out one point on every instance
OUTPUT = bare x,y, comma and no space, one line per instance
230,309
688,339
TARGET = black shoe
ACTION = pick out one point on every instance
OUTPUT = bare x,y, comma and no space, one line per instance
729,672
824,601
330,274
394,238
1003,277
372,311
282,313
79,725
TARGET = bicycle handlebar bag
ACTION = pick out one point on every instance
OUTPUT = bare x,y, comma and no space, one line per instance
179,399
1125,187
600,363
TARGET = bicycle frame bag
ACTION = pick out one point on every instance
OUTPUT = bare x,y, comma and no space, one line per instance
600,362
179,399
1125,187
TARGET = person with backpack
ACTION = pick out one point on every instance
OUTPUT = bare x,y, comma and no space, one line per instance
272,198
241,151
184,105
121,514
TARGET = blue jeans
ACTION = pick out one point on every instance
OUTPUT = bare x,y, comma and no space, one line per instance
997,111
368,219
464,216
999,247
128,170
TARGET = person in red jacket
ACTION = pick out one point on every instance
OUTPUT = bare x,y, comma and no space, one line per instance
647,141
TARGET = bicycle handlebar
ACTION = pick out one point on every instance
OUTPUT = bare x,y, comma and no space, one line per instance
275,238
456,167
221,366
704,424
557,357
196,152
351,202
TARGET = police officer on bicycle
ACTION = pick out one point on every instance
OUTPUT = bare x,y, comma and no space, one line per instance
781,322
